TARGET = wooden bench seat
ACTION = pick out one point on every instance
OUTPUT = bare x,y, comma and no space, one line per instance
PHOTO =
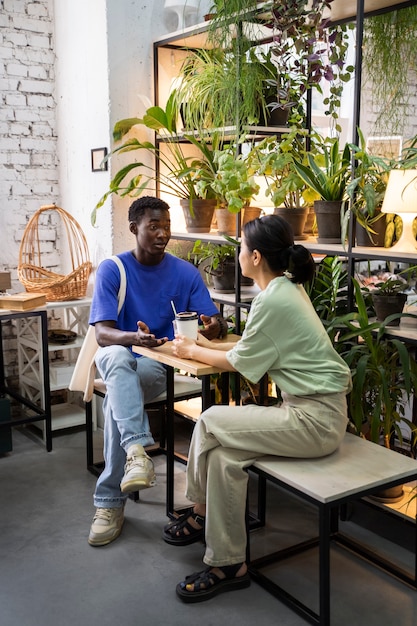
357,469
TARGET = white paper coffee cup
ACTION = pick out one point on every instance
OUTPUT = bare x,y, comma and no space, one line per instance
186,324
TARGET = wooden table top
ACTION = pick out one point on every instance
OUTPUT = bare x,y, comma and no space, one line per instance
163,354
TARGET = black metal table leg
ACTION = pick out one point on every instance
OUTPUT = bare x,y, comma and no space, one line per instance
170,440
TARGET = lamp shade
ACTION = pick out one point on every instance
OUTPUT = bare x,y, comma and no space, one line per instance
401,193
401,198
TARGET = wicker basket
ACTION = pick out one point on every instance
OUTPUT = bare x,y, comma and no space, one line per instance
35,277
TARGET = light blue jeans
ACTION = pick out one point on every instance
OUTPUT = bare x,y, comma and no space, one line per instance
131,383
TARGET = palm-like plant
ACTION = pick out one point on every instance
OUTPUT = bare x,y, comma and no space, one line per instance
176,172
328,290
327,170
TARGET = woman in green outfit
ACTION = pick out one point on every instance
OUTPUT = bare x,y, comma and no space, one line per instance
285,338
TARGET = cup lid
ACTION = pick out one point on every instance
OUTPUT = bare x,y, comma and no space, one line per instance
186,315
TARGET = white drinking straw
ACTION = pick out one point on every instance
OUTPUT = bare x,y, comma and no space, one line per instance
173,308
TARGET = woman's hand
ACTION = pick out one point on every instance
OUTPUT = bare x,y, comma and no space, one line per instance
183,347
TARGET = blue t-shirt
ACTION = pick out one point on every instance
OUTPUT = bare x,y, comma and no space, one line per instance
149,291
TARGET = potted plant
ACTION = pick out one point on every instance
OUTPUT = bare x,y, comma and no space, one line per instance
218,87
388,294
274,159
305,48
310,49
366,192
327,172
218,261
169,166
235,187
384,374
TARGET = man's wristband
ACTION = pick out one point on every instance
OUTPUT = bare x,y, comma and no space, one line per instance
223,327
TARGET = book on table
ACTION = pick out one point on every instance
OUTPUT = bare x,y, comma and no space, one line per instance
22,301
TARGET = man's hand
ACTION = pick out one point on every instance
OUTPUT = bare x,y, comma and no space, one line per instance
215,327
144,337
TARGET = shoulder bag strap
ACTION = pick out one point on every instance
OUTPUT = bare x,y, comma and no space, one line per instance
85,368
123,282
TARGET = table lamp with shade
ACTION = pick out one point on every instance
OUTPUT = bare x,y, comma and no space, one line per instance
401,198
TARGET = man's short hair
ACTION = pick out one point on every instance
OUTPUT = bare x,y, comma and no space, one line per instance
138,207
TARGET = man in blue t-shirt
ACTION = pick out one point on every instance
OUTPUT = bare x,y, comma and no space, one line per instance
154,280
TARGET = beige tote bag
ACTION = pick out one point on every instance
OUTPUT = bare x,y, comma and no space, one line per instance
85,367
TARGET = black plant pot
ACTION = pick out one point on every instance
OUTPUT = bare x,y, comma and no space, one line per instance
386,305
328,216
365,238
223,277
274,117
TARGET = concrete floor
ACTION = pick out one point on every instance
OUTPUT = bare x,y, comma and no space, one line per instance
50,576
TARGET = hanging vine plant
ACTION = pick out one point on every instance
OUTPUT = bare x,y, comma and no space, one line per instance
308,46
390,67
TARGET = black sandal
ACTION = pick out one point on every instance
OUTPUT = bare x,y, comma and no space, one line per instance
174,533
207,584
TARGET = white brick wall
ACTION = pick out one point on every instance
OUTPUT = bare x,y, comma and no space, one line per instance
28,163
28,167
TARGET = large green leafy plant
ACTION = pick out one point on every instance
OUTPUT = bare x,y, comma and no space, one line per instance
384,374
366,189
274,160
234,181
176,171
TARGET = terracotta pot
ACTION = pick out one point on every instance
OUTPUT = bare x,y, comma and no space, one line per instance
390,495
226,221
296,218
309,225
386,305
250,213
328,216
203,210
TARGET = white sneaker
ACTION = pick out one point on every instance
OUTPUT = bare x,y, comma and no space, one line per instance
139,470
106,527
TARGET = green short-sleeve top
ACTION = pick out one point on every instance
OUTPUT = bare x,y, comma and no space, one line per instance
285,337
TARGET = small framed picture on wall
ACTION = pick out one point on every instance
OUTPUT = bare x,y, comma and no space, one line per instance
97,160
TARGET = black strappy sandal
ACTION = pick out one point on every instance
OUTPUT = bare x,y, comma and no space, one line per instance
174,533
207,584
